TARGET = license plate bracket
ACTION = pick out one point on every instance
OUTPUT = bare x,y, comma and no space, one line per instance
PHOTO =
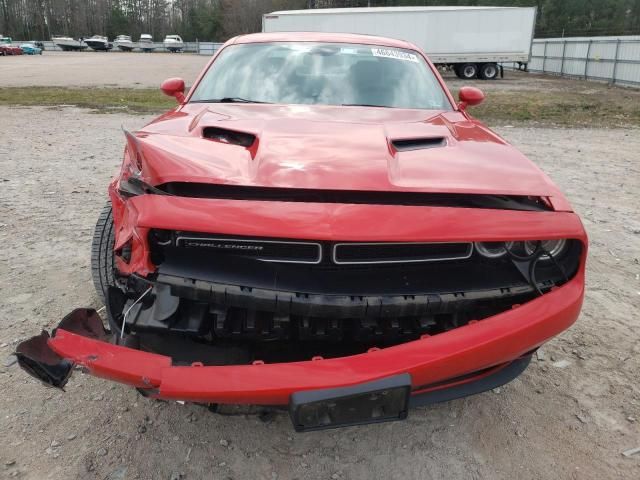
383,400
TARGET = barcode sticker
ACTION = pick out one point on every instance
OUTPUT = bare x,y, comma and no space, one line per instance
397,54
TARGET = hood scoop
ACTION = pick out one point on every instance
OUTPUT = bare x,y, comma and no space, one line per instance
409,144
230,137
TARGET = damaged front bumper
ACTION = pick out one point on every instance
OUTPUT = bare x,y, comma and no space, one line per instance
466,360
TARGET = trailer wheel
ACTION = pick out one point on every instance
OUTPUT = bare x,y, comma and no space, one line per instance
468,71
488,71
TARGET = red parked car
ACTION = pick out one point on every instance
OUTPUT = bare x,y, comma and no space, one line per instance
6,49
319,226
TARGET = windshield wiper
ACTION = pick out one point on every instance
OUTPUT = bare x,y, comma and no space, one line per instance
364,105
228,100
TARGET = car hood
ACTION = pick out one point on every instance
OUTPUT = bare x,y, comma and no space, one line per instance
343,148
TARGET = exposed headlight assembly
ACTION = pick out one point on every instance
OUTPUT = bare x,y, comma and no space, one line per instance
492,249
527,250
547,248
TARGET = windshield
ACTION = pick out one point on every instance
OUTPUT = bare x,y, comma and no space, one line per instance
323,74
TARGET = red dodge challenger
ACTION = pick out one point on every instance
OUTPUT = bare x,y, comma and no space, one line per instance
319,226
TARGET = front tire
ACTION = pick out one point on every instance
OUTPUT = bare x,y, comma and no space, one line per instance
102,256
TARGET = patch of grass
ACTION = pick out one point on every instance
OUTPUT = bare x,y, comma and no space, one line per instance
615,107
577,109
101,99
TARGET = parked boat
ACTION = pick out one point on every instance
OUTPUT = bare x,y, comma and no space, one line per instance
69,44
98,42
124,43
173,43
146,43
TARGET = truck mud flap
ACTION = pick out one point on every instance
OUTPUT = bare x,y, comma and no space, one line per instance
36,357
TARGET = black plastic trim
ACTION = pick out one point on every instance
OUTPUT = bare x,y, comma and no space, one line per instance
405,252
410,144
273,194
231,137
339,306
500,377
260,249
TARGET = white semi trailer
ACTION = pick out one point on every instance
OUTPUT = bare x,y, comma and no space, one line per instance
473,41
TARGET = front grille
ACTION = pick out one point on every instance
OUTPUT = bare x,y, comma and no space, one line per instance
266,250
327,254
363,253
474,273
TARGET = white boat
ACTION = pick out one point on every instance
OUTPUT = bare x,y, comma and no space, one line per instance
124,43
173,43
98,42
68,44
146,43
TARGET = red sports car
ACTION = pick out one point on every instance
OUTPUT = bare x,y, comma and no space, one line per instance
7,49
319,226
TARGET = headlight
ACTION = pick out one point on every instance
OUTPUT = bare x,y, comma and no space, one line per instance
550,248
492,249
523,251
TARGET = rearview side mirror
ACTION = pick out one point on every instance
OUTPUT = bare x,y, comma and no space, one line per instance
470,96
174,87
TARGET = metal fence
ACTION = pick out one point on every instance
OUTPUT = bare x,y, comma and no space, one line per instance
615,60
201,48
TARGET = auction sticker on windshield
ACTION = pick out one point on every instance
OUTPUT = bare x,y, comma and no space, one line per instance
397,54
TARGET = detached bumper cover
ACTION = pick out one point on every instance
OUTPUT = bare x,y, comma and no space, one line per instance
433,362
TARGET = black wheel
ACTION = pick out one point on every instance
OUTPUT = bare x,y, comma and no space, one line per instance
102,267
488,71
457,71
468,71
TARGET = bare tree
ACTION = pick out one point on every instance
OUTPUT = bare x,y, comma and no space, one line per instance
219,20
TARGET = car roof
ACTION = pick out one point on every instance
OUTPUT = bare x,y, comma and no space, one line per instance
323,37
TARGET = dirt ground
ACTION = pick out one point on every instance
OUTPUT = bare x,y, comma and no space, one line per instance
570,415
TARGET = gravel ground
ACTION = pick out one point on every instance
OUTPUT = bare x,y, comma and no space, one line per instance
147,70
90,69
570,415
